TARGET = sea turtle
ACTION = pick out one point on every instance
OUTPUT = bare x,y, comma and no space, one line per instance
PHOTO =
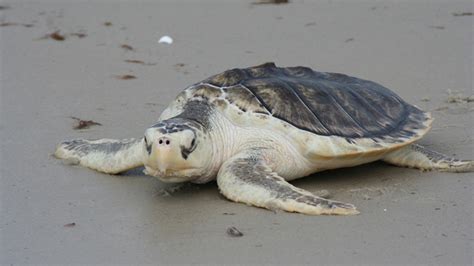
254,129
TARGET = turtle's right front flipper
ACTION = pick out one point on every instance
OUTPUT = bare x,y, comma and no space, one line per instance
104,155
246,178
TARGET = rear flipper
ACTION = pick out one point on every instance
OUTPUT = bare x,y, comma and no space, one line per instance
104,155
416,156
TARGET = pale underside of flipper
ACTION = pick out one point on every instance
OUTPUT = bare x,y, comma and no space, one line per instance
417,156
104,155
246,178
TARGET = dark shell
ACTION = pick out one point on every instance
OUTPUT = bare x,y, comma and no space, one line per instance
322,103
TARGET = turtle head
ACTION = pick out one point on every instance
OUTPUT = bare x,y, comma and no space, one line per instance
176,150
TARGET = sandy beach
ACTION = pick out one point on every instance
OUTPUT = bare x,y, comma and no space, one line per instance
101,61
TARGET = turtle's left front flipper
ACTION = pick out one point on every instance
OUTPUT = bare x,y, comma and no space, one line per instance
247,178
104,155
417,156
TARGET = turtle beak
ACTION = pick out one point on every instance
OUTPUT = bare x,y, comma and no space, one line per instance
162,160
165,155
161,154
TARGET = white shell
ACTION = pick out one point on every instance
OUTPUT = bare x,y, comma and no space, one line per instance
165,39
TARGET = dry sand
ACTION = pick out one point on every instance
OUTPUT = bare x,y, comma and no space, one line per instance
56,213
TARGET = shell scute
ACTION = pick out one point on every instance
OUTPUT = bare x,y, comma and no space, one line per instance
325,104
227,78
244,99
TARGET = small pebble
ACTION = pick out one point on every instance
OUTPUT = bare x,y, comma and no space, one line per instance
234,232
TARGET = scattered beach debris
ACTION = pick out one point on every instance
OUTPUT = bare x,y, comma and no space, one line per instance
139,62
84,124
4,7
165,39
180,68
457,97
127,47
234,232
462,14
55,36
58,36
80,35
310,24
108,24
437,27
70,225
7,24
425,99
126,77
270,2
228,213
349,40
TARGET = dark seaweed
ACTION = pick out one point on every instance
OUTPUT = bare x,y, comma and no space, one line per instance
126,77
70,225
270,2
127,47
139,62
83,124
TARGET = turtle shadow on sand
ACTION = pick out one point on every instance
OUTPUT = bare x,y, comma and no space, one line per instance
373,181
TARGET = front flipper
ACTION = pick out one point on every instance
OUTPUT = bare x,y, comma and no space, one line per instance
416,156
104,155
247,178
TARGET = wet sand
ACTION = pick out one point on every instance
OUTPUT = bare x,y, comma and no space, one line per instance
55,213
